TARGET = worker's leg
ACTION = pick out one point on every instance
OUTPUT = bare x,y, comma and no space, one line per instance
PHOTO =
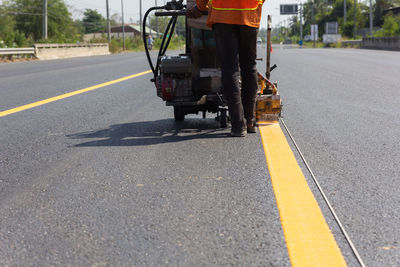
227,46
248,68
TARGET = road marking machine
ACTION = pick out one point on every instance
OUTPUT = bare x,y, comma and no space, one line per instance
191,81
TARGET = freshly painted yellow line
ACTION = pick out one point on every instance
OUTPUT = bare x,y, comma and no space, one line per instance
308,237
52,99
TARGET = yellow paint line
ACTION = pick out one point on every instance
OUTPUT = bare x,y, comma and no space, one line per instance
308,237
52,99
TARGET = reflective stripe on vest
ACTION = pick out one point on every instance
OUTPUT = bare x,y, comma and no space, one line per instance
235,4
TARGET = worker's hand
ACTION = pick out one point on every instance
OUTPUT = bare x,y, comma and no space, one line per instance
194,13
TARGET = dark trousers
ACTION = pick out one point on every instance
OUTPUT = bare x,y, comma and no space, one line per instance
237,47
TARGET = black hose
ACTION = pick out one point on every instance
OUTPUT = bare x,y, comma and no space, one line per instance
144,37
170,34
160,52
163,48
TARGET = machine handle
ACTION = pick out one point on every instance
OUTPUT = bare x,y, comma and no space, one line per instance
171,13
175,13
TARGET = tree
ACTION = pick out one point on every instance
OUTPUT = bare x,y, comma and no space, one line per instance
28,18
93,21
162,23
180,26
379,7
262,33
115,20
294,26
390,27
324,11
78,25
7,27
159,23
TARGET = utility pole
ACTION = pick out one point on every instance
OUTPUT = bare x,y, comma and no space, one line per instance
140,12
123,25
344,12
301,21
355,19
312,12
158,30
312,19
108,23
371,19
44,27
286,26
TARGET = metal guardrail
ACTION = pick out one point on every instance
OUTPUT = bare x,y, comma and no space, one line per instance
37,49
17,51
47,46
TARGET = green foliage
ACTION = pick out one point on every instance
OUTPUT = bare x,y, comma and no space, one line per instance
180,26
136,44
379,7
29,20
115,20
7,25
131,44
21,22
177,42
79,28
161,24
276,39
311,45
93,21
294,26
348,29
278,34
295,39
327,11
20,39
262,33
390,27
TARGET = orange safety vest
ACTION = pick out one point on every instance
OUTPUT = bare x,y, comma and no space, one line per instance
235,4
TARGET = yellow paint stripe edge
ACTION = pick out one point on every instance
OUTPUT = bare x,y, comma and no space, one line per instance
308,237
52,99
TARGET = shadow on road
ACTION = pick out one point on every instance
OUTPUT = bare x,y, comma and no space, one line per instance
151,133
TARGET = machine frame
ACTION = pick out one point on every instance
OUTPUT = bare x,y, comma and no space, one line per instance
172,75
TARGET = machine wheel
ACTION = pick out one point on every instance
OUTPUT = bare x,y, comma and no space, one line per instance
223,118
178,114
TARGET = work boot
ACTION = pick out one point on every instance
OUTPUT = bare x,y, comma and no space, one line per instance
241,133
251,128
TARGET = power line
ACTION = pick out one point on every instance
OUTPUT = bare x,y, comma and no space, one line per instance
20,13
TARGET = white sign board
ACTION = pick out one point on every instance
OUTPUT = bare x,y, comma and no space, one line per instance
331,38
314,32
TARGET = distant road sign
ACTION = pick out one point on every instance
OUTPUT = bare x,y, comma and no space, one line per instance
289,9
331,27
314,32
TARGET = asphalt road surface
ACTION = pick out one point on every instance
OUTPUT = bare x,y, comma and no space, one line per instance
107,177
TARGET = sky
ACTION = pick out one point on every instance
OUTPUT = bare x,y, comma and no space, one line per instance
131,8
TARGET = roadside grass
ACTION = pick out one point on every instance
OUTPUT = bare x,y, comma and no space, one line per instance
136,44
311,45
16,58
334,45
